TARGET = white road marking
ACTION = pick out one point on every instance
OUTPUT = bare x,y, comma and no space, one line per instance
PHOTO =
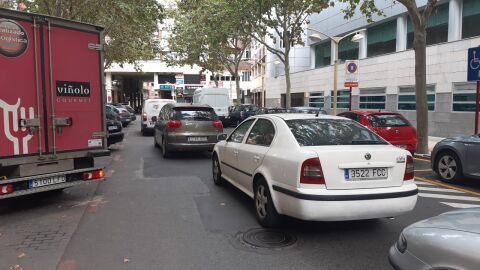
435,189
449,197
460,205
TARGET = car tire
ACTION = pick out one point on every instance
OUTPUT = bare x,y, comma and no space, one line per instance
265,211
165,152
448,166
216,171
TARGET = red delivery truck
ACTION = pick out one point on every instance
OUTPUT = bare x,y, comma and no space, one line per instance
52,118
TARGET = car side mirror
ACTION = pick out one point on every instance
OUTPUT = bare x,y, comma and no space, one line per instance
154,119
222,137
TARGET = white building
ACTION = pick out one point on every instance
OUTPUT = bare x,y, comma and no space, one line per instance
387,66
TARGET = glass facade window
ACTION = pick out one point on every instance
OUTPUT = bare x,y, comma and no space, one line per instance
343,99
437,27
347,50
471,17
323,53
316,100
381,39
463,97
373,102
407,99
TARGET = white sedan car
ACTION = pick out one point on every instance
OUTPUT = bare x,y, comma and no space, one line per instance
322,168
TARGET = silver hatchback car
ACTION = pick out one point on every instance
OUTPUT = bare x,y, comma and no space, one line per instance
183,127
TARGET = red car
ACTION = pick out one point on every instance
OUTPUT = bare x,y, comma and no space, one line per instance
391,126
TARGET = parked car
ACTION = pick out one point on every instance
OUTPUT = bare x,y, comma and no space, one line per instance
239,113
456,157
133,117
125,117
271,110
322,168
307,110
391,126
114,128
447,241
151,107
184,127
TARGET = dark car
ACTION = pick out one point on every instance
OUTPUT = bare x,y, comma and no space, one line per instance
132,112
271,110
125,116
114,128
186,128
239,113
456,157
311,110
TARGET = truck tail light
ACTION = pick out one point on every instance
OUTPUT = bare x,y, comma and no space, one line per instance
93,175
409,169
217,124
144,115
6,189
311,172
174,124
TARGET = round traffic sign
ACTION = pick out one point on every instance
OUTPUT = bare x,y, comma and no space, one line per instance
352,67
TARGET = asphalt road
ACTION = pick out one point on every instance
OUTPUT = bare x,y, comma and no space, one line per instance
153,213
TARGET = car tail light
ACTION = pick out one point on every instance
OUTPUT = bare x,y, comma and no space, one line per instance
144,115
409,169
217,124
93,175
311,172
174,124
6,189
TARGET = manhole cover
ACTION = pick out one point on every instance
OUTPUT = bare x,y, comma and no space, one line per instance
268,238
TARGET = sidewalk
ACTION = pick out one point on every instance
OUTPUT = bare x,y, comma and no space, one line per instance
432,141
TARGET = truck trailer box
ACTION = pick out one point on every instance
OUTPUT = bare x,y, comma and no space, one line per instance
52,118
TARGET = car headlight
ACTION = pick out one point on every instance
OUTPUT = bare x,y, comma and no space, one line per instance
402,243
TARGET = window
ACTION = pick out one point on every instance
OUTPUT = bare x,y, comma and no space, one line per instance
471,17
347,50
238,134
464,95
388,120
262,133
246,76
407,98
343,99
314,132
323,54
316,100
437,27
381,39
372,102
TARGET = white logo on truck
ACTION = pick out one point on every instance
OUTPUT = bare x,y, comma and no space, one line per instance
12,132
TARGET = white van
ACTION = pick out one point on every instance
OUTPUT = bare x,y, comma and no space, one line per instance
217,98
151,107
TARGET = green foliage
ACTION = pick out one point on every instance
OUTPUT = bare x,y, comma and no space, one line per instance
130,25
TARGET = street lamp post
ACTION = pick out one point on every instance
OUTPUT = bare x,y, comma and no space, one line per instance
356,38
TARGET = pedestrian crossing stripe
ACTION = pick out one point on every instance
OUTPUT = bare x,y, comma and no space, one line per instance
448,197
436,189
460,205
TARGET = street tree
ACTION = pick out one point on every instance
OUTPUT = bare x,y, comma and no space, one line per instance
209,33
131,26
419,17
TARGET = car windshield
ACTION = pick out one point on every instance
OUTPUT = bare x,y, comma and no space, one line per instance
196,114
315,132
388,120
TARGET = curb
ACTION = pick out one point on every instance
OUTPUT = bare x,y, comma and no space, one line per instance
426,156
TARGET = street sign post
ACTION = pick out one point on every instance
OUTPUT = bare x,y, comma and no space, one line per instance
474,75
351,77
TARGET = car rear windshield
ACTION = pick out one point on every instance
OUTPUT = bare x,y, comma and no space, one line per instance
195,114
315,132
388,120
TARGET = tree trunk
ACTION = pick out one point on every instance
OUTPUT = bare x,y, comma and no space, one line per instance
288,98
215,79
419,45
237,85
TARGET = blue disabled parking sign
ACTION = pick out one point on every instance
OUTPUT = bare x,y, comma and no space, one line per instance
474,64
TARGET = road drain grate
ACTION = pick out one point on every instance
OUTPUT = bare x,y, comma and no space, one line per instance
268,238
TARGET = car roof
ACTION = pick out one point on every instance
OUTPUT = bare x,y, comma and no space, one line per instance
296,116
370,112
191,106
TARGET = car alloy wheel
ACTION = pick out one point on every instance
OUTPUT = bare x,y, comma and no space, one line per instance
265,211
217,173
449,167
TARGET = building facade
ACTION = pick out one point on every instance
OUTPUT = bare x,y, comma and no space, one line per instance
387,65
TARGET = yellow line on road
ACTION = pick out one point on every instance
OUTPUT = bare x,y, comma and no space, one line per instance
422,159
423,170
447,186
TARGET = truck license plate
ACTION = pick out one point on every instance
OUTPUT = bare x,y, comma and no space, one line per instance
197,139
47,181
366,174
